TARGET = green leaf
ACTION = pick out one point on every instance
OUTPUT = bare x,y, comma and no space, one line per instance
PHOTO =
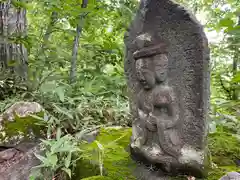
100,146
58,145
19,4
12,63
226,22
37,117
68,171
60,93
58,134
40,166
47,142
41,158
236,78
48,87
53,159
63,111
68,160
32,178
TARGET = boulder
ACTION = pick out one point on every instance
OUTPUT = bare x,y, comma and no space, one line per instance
19,137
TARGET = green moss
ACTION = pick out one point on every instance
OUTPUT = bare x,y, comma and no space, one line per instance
86,168
110,149
97,178
217,172
21,126
118,165
224,148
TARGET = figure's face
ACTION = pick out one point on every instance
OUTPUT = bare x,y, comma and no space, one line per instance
144,73
160,62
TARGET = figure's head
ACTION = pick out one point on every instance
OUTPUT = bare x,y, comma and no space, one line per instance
160,64
164,96
151,64
144,72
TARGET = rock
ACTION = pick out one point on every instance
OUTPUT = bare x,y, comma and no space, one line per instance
167,70
231,176
20,165
19,140
18,117
21,109
91,136
7,154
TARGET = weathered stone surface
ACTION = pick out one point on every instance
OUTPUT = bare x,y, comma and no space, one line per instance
18,140
167,59
16,124
231,176
19,166
21,109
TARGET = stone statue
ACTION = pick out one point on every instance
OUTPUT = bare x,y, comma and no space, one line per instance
156,108
166,66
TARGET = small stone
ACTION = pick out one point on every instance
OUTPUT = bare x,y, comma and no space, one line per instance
231,176
7,154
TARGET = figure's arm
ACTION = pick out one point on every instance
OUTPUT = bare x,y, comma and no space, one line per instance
151,122
173,117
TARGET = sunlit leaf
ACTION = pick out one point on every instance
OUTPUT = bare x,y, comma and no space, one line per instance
53,159
68,160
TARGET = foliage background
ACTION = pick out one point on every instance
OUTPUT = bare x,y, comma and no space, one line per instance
75,64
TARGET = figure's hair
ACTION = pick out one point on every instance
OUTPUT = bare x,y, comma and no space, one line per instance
150,51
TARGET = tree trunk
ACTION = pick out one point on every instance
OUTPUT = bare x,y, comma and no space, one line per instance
73,69
53,21
13,26
235,65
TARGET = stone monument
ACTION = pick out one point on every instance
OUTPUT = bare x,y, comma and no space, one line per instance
167,70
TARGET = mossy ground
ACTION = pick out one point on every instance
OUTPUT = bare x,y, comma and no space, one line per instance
110,149
225,151
97,178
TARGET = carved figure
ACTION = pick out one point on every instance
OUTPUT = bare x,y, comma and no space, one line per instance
147,80
166,120
155,101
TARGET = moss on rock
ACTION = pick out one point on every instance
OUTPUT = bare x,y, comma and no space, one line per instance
97,178
110,150
110,147
18,123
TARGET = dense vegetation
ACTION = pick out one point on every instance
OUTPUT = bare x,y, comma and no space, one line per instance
71,62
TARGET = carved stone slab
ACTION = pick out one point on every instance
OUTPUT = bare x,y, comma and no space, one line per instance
167,70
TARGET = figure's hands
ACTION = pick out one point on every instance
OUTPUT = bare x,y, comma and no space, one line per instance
142,115
151,122
151,126
169,124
